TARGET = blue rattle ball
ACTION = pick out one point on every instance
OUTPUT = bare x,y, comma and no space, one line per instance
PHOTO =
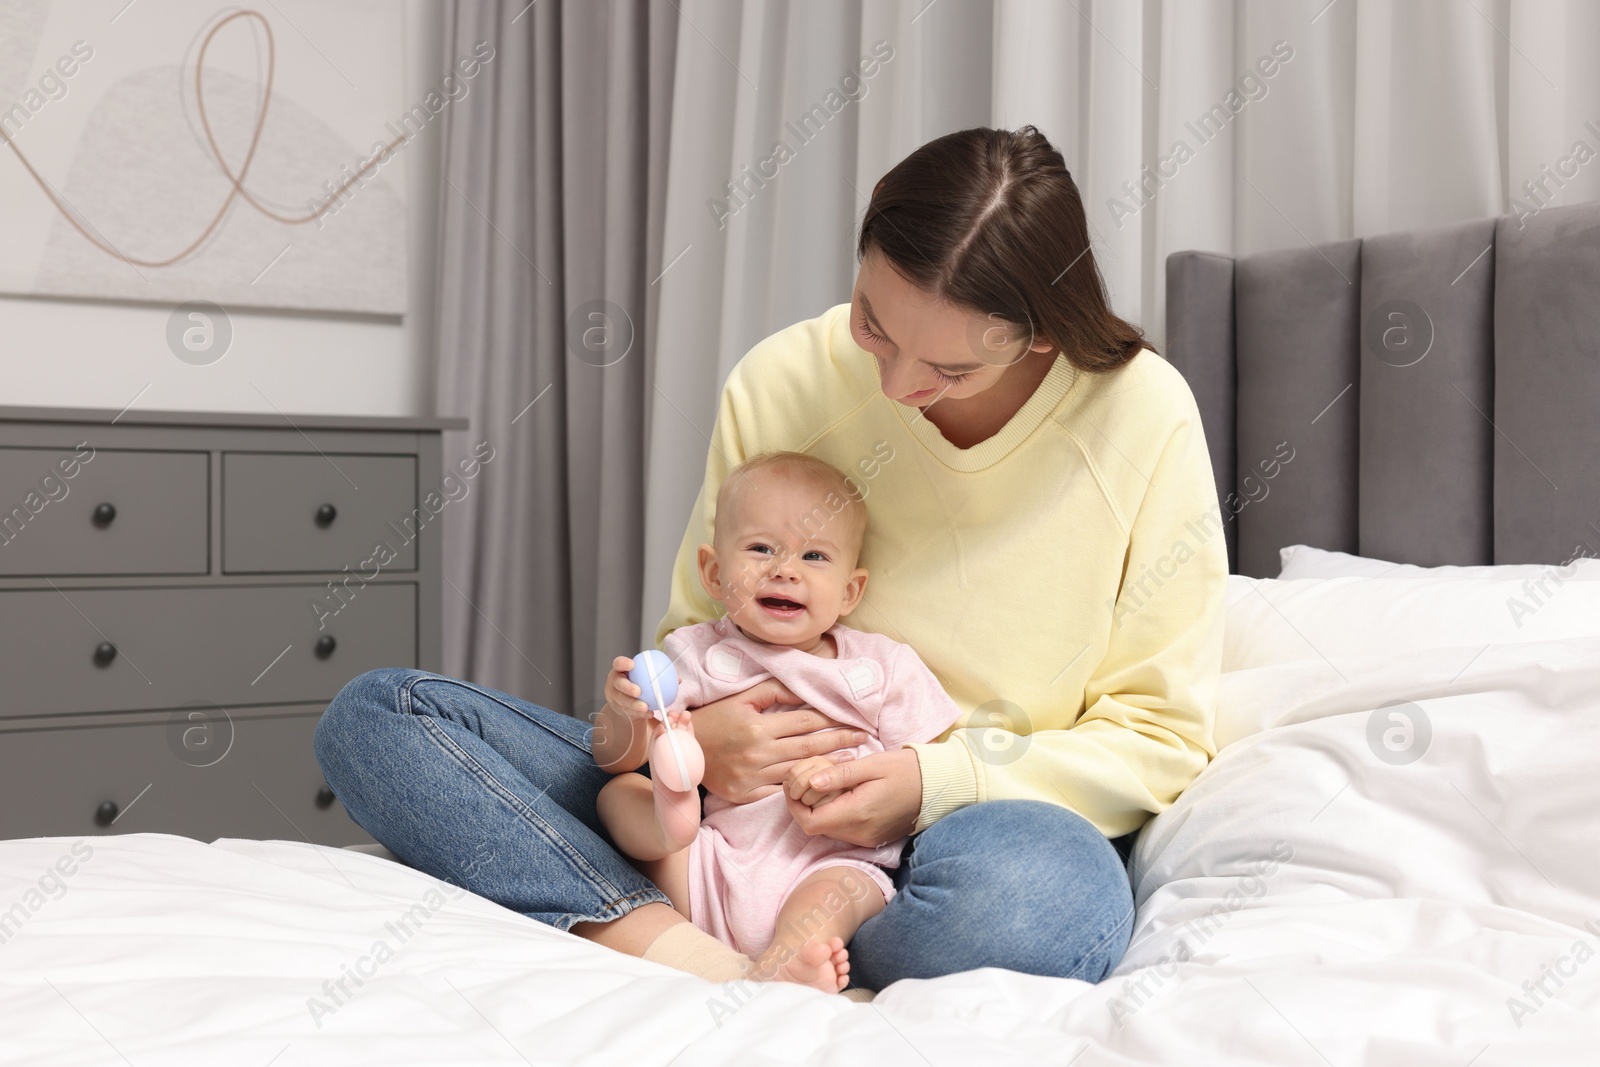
656,678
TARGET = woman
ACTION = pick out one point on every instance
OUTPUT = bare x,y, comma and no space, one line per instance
1043,530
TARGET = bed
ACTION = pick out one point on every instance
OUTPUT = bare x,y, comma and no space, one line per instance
1391,860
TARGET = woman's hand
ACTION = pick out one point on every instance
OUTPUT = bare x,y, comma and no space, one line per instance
878,799
748,753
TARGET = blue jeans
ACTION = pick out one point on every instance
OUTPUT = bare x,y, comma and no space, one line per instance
497,795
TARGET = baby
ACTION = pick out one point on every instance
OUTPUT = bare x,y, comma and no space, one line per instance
788,532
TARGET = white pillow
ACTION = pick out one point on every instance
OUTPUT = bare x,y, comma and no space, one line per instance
1283,694
1303,561
1273,620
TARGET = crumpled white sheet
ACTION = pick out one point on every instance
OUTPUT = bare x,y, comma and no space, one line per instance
1303,902
1374,910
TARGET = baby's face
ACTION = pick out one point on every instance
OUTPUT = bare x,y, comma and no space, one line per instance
784,559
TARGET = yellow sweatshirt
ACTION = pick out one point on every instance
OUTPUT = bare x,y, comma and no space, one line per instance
1064,579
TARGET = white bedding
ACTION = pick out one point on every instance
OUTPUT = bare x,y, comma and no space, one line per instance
1361,911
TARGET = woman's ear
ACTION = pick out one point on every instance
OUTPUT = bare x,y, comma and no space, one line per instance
710,573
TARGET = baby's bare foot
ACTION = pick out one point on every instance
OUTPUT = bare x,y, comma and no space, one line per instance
678,815
821,966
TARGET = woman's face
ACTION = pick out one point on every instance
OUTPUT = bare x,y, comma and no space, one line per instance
928,349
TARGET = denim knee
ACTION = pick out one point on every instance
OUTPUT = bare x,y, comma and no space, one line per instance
371,692
1047,890
379,688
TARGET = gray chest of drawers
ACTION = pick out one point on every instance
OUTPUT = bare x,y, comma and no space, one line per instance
181,594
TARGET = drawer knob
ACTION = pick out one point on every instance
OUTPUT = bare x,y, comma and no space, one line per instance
326,514
103,514
106,813
325,646
104,653
325,797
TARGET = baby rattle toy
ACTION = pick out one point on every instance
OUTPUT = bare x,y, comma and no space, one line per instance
657,680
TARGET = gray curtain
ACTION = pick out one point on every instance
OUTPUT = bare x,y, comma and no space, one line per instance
552,194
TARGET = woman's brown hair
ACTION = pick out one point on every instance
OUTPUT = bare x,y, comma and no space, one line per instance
991,220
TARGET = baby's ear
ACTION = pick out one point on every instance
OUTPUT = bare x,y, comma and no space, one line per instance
854,589
710,573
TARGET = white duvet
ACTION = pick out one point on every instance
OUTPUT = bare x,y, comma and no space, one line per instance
1390,863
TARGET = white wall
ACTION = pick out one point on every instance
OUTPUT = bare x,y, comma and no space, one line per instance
88,353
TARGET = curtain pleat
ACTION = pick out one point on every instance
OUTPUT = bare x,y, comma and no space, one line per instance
551,210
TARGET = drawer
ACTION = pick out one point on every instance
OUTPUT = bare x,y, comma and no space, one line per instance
284,512
226,645
157,522
261,780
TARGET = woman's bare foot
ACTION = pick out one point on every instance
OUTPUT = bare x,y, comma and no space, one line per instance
824,966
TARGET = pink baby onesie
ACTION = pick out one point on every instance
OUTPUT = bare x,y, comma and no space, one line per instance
747,858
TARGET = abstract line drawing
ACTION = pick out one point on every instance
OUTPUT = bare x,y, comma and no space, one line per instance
229,188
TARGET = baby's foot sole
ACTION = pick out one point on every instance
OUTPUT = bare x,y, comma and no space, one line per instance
820,966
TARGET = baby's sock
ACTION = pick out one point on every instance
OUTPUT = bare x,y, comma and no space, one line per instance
688,948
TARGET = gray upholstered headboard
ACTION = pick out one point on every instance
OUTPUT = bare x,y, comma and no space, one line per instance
1438,391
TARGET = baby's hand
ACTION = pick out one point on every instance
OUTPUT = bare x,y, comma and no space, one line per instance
622,696
798,785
